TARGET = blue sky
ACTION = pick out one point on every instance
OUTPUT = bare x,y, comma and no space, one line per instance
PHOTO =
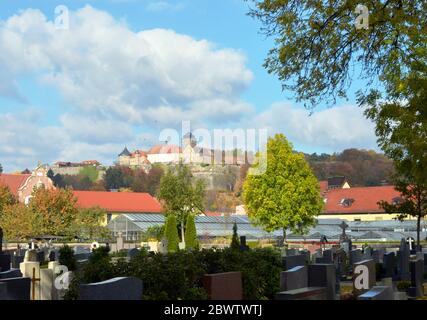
126,69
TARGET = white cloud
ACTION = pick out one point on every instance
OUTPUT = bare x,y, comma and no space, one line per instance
334,129
120,84
102,67
161,6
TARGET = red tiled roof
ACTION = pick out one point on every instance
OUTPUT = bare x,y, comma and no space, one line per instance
129,202
164,148
365,199
138,152
323,186
13,181
213,214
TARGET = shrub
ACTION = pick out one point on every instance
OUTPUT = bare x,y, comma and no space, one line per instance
191,241
178,275
235,242
171,233
403,285
66,257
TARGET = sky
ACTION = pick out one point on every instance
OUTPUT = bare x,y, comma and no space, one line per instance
124,72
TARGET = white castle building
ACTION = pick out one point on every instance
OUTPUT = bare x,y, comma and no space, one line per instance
172,154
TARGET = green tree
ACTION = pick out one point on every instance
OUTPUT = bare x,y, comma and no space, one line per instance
287,194
1,169
317,44
171,233
88,223
91,172
180,195
114,178
54,211
191,241
401,128
235,241
6,197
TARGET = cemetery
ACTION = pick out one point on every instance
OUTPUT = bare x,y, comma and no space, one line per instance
340,271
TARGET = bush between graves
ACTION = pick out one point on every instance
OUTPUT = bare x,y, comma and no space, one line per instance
178,275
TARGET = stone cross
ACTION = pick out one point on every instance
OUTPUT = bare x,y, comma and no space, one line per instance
343,226
410,241
33,282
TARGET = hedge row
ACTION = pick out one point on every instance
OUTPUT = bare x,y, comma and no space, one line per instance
179,275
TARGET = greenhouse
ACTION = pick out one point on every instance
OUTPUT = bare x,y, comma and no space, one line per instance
131,226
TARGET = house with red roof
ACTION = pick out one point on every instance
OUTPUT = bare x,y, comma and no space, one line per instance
22,185
117,203
359,204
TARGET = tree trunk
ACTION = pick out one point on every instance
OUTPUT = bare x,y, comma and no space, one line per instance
418,232
284,236
182,232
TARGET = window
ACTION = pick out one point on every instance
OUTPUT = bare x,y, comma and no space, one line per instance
358,219
346,202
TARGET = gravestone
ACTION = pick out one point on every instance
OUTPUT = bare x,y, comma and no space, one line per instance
323,275
376,256
417,278
119,242
295,278
378,293
327,257
17,288
123,288
82,256
52,255
223,286
355,256
3,291
133,253
309,293
5,261
403,260
289,262
41,256
364,276
292,252
17,260
12,273
389,264
30,256
243,246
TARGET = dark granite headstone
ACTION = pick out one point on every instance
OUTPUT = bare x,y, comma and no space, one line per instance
16,260
3,291
417,278
295,278
323,275
5,261
355,256
223,286
12,273
133,253
41,256
378,293
310,293
243,246
403,260
289,262
18,288
125,288
82,256
389,264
